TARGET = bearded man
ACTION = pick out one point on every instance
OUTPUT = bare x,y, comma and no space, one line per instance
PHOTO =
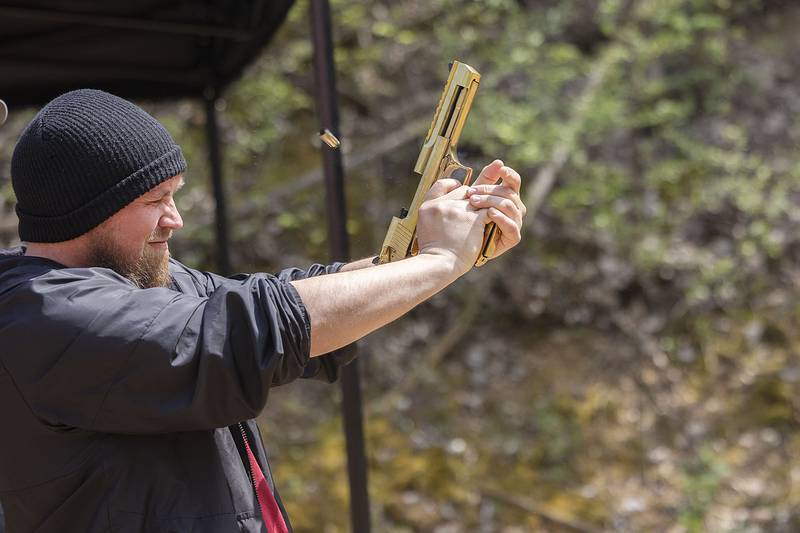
128,381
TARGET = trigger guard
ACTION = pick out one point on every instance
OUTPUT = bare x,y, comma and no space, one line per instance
459,174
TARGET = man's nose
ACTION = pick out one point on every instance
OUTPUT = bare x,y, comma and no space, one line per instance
172,218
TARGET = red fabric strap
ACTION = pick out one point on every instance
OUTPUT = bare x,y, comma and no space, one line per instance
269,507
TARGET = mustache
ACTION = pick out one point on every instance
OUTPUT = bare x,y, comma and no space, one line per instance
157,237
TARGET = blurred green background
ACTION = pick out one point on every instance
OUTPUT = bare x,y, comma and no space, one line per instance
634,364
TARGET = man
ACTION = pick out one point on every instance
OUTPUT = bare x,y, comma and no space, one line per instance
128,381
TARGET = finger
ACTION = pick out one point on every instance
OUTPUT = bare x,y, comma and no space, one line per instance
500,190
442,187
509,228
505,200
494,190
511,178
483,216
490,173
459,193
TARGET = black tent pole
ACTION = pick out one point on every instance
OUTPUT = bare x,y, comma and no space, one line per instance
339,250
214,157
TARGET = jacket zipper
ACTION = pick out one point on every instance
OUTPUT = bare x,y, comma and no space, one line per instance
250,468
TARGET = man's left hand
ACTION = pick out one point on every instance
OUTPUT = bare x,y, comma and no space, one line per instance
503,200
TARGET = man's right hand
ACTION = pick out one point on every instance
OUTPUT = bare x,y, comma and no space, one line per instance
449,226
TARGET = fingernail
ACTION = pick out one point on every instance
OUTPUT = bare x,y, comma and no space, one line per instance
475,198
472,190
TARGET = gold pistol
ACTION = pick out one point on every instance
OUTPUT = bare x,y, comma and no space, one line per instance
438,159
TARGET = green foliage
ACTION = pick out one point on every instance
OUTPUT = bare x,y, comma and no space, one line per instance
635,365
703,477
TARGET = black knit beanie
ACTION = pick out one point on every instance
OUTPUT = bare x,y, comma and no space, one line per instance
84,156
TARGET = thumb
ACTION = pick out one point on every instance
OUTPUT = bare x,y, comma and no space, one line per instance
490,174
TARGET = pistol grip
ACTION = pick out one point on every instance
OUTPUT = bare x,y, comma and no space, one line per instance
490,236
462,173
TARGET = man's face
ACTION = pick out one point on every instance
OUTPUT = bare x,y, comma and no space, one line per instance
133,242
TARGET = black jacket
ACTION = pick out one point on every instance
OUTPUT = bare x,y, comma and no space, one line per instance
120,407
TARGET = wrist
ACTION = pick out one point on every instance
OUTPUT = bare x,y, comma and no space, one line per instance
451,264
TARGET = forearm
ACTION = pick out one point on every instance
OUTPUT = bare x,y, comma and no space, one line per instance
345,306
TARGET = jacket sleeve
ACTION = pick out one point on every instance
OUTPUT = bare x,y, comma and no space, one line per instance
114,358
325,367
293,274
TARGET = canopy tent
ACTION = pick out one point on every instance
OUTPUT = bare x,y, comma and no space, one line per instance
137,49
167,49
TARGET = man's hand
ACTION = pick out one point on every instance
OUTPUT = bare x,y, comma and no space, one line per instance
502,200
449,226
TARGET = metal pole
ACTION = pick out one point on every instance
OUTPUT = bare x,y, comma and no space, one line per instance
339,251
215,159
